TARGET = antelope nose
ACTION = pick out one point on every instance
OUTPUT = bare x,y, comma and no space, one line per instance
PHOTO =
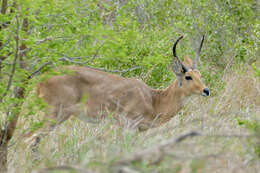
206,92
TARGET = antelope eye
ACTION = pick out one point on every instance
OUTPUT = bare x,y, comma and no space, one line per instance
188,77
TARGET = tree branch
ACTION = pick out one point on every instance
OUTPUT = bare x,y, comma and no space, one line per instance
43,40
157,152
70,60
39,69
96,53
14,61
118,71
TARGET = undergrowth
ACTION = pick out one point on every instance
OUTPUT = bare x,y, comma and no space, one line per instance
222,119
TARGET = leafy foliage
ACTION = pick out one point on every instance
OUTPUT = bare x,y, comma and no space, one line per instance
120,34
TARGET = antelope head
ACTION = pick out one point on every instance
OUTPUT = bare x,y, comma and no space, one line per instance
187,74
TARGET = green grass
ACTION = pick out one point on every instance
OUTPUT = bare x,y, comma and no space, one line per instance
98,146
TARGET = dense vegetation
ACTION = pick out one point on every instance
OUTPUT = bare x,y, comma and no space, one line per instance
133,39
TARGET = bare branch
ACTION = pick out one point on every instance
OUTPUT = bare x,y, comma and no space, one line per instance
115,71
182,137
101,69
96,53
51,38
119,71
158,150
63,168
14,61
39,69
157,153
43,40
72,61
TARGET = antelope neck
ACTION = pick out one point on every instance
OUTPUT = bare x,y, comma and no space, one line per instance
169,101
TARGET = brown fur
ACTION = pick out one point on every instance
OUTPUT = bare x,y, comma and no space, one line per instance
108,93
188,61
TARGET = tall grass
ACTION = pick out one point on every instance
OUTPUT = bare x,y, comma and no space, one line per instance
223,147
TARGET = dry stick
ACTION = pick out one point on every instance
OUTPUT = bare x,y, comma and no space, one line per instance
63,168
158,150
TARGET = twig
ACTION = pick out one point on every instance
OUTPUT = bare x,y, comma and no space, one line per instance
157,151
120,71
156,154
182,137
63,168
39,69
44,40
115,71
71,60
96,53
101,69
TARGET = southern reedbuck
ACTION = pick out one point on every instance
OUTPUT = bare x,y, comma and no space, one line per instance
128,97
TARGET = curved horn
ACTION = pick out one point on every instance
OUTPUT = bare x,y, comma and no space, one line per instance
175,54
197,57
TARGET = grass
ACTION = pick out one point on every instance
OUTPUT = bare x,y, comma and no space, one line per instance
222,147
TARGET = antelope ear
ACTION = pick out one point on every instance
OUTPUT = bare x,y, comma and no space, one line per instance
178,69
188,61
